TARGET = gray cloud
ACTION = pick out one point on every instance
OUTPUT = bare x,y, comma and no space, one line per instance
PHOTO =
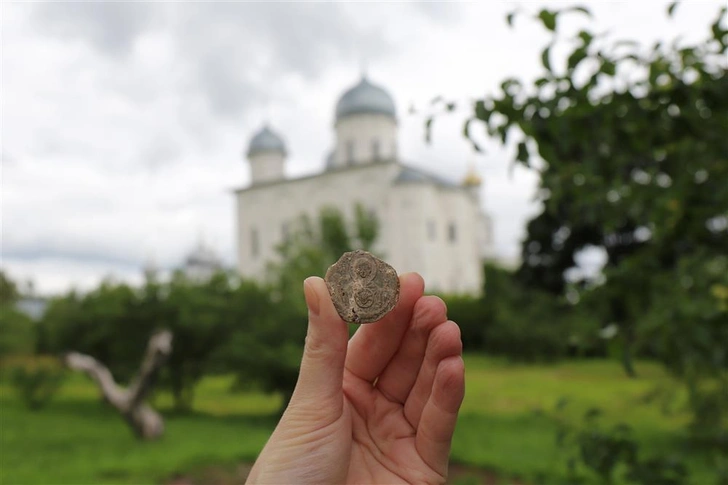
111,27
161,150
76,255
240,53
125,122
233,54
7,157
448,12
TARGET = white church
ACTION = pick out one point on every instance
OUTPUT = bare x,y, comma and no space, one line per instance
427,223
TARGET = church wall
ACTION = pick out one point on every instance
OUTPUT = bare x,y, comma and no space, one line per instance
415,223
450,256
265,167
422,220
407,217
266,209
361,131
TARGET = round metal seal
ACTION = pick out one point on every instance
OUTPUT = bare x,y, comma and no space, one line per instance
363,287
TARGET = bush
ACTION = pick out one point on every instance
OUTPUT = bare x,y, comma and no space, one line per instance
607,452
473,317
36,379
17,332
522,323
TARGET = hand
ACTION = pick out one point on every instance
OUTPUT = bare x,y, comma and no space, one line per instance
380,408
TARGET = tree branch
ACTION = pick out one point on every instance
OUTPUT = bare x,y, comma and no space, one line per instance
158,349
115,395
143,419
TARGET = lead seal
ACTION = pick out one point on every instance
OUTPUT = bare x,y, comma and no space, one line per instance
363,287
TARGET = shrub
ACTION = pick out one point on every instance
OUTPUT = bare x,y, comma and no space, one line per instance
17,332
36,379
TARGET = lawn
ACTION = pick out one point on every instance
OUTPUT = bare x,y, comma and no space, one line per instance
506,427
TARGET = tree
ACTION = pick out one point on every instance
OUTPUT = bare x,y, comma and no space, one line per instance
146,423
267,347
630,145
8,290
111,322
314,245
202,320
17,332
105,323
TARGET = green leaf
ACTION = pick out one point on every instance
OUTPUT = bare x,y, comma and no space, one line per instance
719,33
481,112
466,128
671,9
522,155
503,132
510,17
511,83
581,9
546,57
548,18
608,67
450,106
586,37
466,134
576,57
428,129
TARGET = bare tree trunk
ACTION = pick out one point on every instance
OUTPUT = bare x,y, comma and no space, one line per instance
146,423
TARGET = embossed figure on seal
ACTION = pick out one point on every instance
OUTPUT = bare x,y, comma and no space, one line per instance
363,288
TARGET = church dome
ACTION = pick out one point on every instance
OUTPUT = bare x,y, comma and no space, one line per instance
365,97
266,140
472,179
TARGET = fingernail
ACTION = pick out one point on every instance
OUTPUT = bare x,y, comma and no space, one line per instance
312,300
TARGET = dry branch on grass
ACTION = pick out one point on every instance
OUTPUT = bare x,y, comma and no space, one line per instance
146,423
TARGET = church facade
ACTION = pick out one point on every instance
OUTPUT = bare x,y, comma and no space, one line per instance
427,223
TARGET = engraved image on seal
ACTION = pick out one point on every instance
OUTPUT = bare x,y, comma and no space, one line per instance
364,268
365,297
363,288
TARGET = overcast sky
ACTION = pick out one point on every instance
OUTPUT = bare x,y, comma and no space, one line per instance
123,124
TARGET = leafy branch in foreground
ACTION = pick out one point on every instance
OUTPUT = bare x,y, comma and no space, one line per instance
630,145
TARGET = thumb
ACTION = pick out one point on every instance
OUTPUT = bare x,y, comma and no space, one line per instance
322,367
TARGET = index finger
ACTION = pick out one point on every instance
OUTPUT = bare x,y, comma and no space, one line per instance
373,345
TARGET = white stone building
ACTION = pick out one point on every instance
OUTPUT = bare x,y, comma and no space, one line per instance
427,223
201,264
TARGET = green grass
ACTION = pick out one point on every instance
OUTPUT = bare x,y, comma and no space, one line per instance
77,441
507,422
506,426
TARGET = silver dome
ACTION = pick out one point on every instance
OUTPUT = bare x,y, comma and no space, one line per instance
266,140
365,97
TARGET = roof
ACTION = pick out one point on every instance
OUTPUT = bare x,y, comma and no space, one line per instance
365,97
266,140
416,175
406,174
202,255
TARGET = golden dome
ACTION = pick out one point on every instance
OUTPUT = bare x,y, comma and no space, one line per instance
472,179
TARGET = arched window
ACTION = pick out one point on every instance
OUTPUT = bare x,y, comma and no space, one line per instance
254,243
451,232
